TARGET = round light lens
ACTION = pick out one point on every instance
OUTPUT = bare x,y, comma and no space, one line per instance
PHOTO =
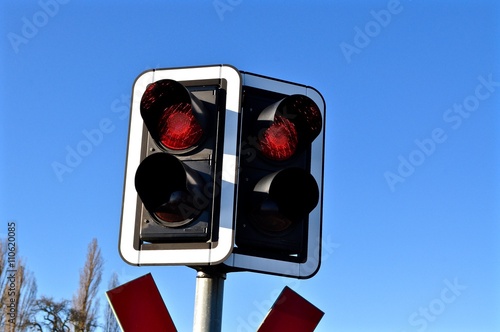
279,141
171,211
178,128
174,117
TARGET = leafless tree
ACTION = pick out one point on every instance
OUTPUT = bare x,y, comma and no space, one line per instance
18,291
51,315
85,301
110,323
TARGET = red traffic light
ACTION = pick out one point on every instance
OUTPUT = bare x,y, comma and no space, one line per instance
172,180
288,125
182,148
279,140
278,188
174,117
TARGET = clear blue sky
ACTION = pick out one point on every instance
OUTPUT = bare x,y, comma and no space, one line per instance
411,200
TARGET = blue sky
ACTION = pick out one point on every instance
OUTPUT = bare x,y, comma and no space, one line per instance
412,89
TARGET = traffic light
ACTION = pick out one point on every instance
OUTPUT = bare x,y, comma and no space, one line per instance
278,209
224,167
176,181
181,164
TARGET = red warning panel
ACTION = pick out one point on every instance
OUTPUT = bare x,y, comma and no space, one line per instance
291,313
138,306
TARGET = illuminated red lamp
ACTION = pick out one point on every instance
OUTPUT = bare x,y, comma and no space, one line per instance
279,141
288,125
173,115
178,128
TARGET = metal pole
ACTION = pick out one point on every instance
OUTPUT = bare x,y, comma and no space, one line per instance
208,301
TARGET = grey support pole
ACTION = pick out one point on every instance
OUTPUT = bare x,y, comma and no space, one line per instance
208,301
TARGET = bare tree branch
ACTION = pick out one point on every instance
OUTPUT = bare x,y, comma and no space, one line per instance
110,323
85,302
26,298
18,292
52,315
